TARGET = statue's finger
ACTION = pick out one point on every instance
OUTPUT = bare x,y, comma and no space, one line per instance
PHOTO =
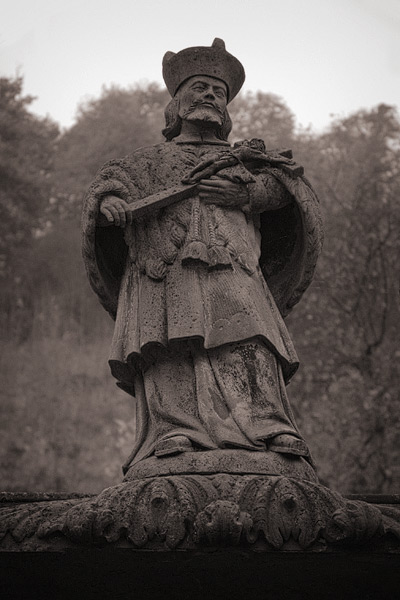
198,172
214,182
129,217
210,189
225,162
122,215
107,214
206,173
202,165
215,167
206,195
115,214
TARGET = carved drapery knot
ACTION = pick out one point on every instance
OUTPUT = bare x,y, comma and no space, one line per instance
213,240
204,233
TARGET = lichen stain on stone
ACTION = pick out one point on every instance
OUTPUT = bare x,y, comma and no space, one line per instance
249,358
218,404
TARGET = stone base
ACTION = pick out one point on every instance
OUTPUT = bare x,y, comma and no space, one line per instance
197,536
175,529
224,461
193,511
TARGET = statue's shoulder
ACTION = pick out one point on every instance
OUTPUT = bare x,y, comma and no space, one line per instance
148,151
154,152
147,155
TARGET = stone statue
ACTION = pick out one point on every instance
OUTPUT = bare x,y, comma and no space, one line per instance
199,250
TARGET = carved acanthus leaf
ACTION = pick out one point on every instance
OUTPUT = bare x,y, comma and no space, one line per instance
189,511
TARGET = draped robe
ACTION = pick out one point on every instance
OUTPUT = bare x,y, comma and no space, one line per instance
199,338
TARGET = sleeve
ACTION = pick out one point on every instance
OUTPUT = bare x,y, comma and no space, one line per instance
104,249
267,193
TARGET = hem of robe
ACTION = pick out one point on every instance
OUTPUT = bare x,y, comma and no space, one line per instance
136,362
141,454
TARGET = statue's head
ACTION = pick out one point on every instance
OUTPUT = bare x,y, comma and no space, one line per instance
202,81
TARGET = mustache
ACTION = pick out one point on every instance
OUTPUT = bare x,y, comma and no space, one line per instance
203,104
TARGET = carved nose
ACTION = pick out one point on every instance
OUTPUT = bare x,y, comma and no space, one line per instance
209,95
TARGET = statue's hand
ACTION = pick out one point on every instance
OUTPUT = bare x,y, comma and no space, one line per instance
223,192
116,211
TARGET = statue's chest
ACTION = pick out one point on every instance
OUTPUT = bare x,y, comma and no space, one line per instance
170,167
189,231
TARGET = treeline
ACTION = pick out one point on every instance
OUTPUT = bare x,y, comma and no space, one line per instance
55,336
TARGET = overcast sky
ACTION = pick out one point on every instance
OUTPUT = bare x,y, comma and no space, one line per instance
323,57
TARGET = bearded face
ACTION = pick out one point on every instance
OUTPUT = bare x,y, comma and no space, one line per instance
203,99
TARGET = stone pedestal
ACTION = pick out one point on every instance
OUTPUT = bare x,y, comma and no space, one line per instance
202,534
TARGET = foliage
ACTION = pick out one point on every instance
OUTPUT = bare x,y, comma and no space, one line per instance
261,115
112,126
49,294
26,152
350,345
64,426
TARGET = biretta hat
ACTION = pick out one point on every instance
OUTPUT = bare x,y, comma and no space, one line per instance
213,61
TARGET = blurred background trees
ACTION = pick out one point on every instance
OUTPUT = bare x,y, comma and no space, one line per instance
27,145
64,425
351,377
110,126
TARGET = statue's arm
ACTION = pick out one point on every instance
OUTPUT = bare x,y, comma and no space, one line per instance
267,193
116,210
263,191
110,194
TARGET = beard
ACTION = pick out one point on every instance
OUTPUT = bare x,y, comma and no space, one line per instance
205,114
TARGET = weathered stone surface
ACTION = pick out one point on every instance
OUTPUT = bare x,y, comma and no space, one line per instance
214,61
224,461
199,250
208,247
197,511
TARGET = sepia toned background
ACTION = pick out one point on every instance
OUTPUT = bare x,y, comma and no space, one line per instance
64,425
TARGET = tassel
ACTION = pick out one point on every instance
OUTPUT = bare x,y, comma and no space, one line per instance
178,235
219,257
156,269
243,262
195,251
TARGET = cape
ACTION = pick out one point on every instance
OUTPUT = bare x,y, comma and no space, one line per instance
291,236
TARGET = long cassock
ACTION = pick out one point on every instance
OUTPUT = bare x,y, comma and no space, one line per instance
198,293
